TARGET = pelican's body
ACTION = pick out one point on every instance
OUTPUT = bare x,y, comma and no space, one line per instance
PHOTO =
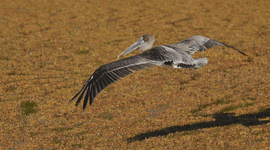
177,55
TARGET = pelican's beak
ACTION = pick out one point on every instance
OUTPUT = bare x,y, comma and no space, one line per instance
140,43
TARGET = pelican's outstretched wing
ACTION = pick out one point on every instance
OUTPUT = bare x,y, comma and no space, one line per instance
199,43
109,73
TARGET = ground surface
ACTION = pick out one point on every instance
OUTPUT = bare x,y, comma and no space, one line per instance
50,48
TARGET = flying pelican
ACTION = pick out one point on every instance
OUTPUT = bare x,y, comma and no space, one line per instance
177,55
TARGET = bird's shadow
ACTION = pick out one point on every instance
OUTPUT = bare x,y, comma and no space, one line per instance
222,119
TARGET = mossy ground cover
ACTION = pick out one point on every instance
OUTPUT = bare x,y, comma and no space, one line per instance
50,48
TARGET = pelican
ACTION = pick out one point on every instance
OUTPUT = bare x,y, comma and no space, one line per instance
176,55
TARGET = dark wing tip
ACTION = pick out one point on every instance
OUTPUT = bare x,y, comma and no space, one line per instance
86,97
222,44
94,86
237,50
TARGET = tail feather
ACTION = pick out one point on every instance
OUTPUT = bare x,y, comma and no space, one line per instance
197,63
200,62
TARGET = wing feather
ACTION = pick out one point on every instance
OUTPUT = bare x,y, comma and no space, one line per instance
86,96
200,43
108,74
80,98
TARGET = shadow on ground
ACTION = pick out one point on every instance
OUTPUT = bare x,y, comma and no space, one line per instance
222,119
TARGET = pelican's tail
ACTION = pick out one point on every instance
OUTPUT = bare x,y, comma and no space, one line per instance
197,63
200,62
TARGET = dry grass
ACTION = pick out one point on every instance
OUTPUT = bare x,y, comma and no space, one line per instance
50,48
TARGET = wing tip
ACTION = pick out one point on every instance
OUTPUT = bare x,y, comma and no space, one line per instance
230,47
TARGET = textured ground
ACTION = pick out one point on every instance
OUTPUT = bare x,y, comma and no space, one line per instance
50,48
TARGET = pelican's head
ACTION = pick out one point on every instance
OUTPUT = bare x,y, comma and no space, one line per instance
144,43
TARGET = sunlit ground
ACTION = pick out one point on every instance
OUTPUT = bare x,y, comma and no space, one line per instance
50,48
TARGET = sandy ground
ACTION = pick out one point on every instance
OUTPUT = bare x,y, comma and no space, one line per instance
50,48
